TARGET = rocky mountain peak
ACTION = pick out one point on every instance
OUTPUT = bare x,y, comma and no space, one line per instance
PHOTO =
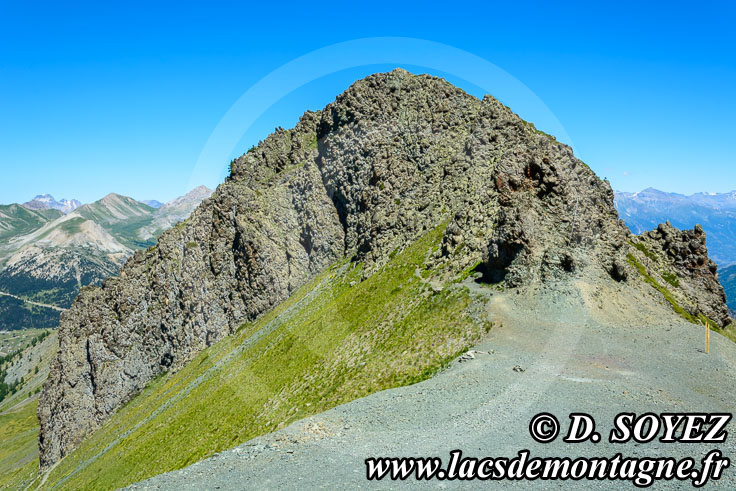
196,195
152,203
395,156
114,199
199,191
46,201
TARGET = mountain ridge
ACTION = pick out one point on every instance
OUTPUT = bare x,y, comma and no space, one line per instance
46,256
392,158
716,212
46,201
18,220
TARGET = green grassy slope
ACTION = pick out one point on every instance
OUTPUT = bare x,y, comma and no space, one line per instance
122,217
16,220
15,341
18,421
19,446
335,340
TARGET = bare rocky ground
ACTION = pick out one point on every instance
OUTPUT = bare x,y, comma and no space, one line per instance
567,348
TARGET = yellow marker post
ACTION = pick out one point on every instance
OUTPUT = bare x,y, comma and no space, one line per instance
707,337
708,328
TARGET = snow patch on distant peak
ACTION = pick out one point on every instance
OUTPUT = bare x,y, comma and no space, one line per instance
47,201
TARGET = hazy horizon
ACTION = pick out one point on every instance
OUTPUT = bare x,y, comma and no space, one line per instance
59,198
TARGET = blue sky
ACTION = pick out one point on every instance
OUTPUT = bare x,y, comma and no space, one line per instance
123,97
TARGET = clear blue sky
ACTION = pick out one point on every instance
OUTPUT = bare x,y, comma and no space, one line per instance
97,98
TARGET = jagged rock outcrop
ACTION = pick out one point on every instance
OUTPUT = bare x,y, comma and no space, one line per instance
555,217
678,260
394,156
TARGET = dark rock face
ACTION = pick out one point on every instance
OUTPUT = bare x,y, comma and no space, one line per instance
684,254
240,254
394,156
555,218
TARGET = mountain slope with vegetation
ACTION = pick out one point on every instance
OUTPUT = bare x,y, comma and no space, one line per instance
17,220
46,256
727,276
716,213
571,348
334,340
24,364
326,268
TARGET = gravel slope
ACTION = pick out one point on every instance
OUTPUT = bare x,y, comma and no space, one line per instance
579,352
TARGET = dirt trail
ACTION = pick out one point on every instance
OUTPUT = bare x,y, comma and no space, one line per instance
548,353
60,309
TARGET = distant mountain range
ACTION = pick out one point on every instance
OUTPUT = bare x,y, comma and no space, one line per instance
46,256
727,276
50,248
47,202
716,212
152,203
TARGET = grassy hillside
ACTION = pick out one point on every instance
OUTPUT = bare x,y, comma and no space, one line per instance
18,422
19,445
335,340
122,217
11,341
17,220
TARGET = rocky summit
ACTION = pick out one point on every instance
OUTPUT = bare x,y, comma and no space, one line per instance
394,157
47,202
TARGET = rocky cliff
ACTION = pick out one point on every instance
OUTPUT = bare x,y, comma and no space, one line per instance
676,262
394,156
